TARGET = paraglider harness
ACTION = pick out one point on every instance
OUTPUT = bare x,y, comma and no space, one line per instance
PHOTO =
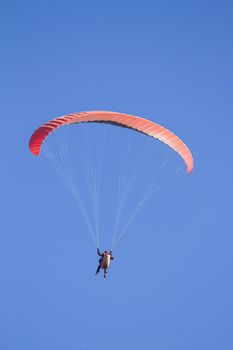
104,261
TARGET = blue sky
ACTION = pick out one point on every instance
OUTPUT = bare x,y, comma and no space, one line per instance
170,286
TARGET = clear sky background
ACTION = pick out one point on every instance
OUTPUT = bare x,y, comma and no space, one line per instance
170,285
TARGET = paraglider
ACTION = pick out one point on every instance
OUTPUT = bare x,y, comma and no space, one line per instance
104,261
135,123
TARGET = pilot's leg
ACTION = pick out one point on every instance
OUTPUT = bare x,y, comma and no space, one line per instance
98,270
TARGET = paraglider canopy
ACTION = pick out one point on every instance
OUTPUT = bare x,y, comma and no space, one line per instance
119,119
